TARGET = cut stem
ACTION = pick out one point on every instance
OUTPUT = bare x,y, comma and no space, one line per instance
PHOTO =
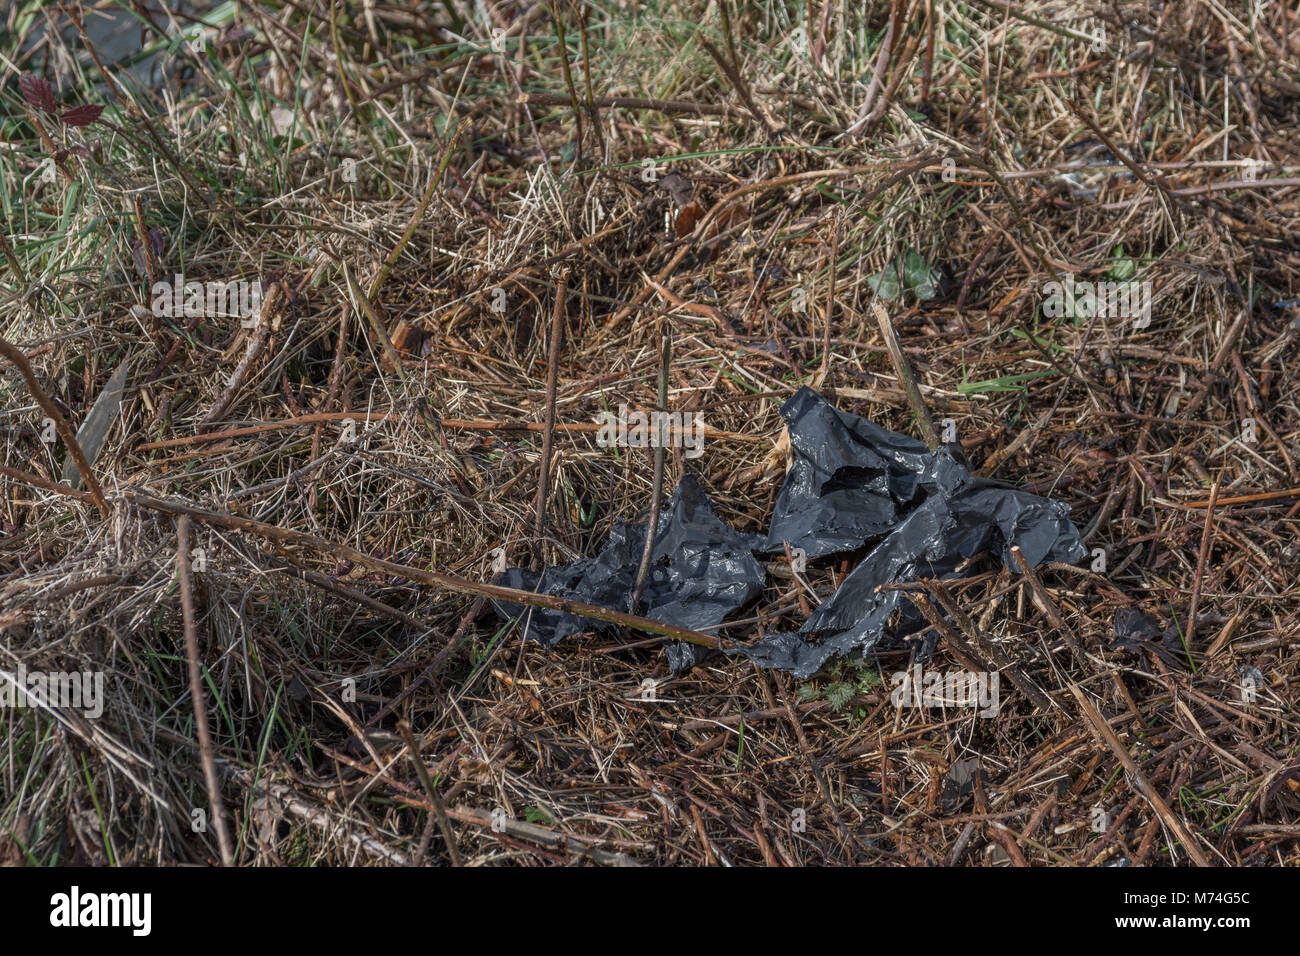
652,529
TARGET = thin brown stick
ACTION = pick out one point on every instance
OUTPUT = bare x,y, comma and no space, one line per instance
326,583
657,487
39,482
906,377
846,835
1207,534
376,323
628,103
274,301
440,809
990,650
568,78
448,148
196,691
520,830
732,72
1140,782
19,360
15,266
867,112
964,653
552,381
1242,499
830,297
586,69
372,417
332,390
468,618
1044,601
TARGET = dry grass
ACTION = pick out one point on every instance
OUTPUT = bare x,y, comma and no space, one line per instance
240,165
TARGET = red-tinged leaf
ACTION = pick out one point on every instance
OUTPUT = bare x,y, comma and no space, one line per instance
82,115
690,214
37,92
138,258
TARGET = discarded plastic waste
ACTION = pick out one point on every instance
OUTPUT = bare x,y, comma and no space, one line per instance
702,570
851,484
850,480
849,474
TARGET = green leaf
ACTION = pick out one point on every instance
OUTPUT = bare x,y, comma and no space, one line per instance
1121,268
920,277
867,680
885,283
908,271
807,692
538,815
838,695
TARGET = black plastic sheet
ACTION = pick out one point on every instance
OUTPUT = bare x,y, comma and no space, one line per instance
701,571
847,477
850,480
851,485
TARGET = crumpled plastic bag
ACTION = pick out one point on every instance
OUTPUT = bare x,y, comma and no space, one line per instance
850,479
846,476
851,484
701,570
930,542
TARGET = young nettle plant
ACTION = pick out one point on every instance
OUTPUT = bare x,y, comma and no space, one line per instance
39,94
844,681
909,272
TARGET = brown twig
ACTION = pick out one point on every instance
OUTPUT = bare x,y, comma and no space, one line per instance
1242,499
1045,604
520,830
568,79
19,361
448,148
592,104
14,265
964,653
256,342
197,698
906,377
453,424
652,527
39,482
284,536
440,809
830,298
1140,782
986,646
1207,534
552,381
737,81
867,113
628,103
